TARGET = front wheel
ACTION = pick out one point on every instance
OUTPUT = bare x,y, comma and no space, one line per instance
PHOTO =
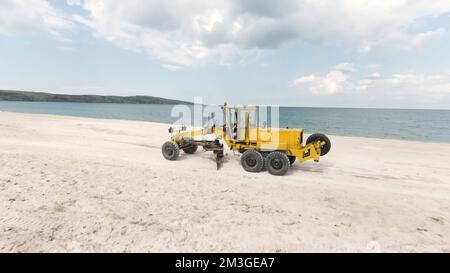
326,143
171,150
190,148
277,163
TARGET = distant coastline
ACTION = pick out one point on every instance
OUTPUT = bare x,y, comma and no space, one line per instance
13,95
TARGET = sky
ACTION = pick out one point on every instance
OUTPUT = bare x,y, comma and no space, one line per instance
311,53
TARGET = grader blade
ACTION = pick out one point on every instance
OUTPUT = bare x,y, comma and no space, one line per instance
219,158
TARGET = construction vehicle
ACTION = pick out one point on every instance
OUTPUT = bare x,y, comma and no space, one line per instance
261,148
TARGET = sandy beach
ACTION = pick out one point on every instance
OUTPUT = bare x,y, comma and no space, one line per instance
71,184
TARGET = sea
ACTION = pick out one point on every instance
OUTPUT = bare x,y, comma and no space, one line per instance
418,125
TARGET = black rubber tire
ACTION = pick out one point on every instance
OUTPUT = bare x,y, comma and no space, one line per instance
277,163
190,149
171,150
320,137
292,159
252,161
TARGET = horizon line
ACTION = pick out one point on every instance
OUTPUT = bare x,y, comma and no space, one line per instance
285,106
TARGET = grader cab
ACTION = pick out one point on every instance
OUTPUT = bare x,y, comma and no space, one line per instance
273,149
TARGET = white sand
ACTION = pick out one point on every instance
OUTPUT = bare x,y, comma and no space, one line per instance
75,184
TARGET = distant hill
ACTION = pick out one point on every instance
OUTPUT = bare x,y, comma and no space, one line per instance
9,95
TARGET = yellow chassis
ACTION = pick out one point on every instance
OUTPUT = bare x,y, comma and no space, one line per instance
288,141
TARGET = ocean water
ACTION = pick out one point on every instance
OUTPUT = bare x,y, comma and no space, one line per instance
420,125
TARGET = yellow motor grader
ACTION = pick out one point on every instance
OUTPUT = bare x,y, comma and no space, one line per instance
262,148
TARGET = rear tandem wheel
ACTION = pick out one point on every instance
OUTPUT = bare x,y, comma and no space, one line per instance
252,161
277,163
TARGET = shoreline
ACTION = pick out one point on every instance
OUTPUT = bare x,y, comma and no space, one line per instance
169,124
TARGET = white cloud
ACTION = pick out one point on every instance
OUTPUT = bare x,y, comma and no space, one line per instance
425,37
28,16
188,33
409,86
375,75
374,66
405,41
408,83
171,67
345,67
333,82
